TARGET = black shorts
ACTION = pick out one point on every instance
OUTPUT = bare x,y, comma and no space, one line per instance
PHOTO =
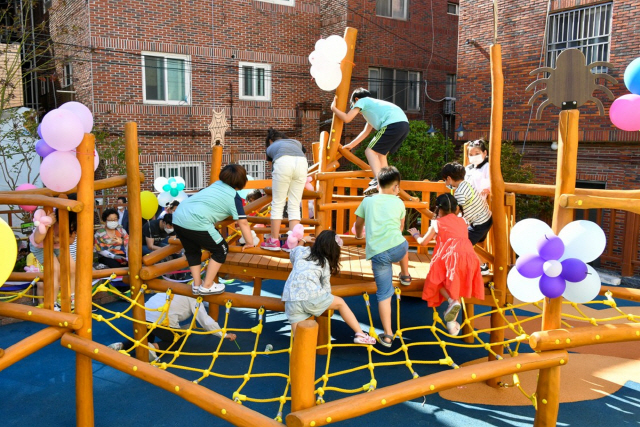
389,138
478,233
194,241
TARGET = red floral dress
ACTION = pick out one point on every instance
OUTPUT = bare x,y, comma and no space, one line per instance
454,266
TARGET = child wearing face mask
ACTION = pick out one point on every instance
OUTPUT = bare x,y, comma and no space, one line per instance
477,171
111,242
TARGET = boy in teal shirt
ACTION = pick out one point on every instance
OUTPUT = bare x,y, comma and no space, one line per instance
387,119
383,215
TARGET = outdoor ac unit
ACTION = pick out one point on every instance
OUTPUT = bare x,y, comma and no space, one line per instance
449,106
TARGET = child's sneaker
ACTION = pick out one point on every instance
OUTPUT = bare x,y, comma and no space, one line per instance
453,328
117,346
484,269
152,354
216,288
285,247
271,245
372,189
56,306
452,311
195,289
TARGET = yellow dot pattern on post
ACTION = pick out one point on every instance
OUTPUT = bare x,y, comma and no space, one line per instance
440,339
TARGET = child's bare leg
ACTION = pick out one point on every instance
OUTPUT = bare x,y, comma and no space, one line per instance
384,309
56,278
404,264
346,313
382,158
293,328
195,273
72,275
374,161
212,270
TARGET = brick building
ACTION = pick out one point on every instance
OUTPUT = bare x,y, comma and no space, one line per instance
169,66
605,31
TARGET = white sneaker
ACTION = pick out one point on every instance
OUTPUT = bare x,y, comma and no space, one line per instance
56,306
152,354
452,311
117,346
484,270
216,288
372,189
453,328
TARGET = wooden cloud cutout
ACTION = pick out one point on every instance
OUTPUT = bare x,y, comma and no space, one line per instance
571,81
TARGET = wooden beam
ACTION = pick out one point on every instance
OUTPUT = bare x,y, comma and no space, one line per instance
557,339
30,345
41,315
17,198
571,201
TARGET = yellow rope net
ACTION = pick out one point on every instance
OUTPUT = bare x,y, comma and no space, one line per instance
169,358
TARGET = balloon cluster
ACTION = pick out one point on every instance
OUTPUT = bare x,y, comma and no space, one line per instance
325,62
625,110
61,131
294,237
170,189
552,266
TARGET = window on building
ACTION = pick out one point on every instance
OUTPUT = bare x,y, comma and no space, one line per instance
67,75
255,81
453,9
392,8
587,29
398,86
255,168
166,78
43,85
284,2
450,88
191,172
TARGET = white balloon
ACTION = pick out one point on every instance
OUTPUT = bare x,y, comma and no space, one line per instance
256,239
164,199
526,290
552,268
180,180
320,45
330,79
335,48
182,196
526,234
316,57
159,183
584,240
584,291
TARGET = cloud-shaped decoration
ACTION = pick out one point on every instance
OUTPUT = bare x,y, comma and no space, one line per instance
552,266
174,186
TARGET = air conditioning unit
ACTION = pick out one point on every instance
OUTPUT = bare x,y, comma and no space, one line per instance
449,106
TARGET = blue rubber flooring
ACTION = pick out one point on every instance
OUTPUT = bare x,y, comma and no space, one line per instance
40,390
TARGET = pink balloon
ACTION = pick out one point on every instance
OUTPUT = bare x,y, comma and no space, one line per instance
62,130
83,113
60,171
22,187
625,112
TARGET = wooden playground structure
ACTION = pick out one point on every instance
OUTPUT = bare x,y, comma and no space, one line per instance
336,198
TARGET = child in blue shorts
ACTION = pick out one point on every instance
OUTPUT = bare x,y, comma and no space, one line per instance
383,214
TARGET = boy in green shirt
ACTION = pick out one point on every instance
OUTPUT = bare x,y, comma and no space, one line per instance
383,214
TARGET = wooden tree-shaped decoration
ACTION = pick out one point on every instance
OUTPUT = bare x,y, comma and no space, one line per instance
218,127
570,82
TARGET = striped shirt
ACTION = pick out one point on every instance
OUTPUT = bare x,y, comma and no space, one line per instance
475,209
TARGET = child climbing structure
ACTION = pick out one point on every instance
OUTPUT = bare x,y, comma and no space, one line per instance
336,198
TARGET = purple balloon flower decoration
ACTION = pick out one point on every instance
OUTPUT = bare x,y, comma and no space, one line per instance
556,264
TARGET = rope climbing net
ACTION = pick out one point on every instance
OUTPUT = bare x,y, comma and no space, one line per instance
516,317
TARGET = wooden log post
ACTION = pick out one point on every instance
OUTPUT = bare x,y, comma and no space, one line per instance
135,235
303,366
548,389
84,272
501,255
216,163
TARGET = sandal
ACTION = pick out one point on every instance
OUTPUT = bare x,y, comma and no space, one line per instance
383,337
405,280
362,338
195,289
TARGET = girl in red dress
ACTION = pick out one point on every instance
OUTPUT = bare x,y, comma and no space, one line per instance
455,268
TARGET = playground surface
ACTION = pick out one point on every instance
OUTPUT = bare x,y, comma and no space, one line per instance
600,384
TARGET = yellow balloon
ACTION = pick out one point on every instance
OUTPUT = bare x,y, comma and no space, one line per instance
149,203
9,247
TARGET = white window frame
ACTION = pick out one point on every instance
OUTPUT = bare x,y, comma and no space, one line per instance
256,168
44,82
393,100
267,81
574,29
456,7
283,2
67,75
189,184
450,86
187,79
391,16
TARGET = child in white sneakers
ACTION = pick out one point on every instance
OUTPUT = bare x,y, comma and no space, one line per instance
307,291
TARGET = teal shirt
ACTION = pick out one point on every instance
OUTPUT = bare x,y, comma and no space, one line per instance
201,211
382,215
380,113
